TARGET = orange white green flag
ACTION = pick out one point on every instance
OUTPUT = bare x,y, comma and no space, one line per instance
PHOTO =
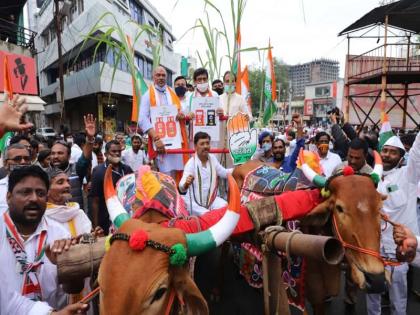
270,93
245,91
386,131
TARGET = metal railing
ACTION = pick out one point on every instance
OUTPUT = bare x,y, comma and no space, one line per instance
401,57
18,35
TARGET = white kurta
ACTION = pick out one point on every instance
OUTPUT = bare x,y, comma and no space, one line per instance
329,163
193,205
47,272
236,104
12,303
133,159
4,185
76,153
168,162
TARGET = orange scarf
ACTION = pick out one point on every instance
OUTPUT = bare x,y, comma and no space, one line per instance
177,103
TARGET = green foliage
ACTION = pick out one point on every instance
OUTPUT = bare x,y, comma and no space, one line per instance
108,31
255,83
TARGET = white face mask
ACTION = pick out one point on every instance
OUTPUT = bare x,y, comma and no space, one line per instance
202,87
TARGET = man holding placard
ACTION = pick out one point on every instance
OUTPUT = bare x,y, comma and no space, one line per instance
162,119
204,103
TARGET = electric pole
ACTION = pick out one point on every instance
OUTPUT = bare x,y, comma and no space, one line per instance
57,18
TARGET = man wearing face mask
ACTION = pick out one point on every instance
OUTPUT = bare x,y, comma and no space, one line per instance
329,160
288,164
217,86
160,94
265,154
230,101
100,216
16,155
399,184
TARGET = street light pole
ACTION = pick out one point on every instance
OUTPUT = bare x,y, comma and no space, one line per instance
57,18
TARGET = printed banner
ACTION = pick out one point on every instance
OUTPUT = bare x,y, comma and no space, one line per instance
205,120
22,72
165,124
242,139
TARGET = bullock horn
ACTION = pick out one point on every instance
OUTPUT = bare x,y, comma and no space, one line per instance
116,211
310,174
378,168
199,243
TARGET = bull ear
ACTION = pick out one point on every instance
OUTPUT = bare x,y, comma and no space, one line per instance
187,291
319,215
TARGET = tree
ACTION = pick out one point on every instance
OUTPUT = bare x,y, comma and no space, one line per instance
256,84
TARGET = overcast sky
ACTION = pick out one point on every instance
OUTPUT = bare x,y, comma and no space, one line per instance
300,30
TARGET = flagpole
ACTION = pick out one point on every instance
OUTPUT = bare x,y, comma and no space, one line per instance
262,92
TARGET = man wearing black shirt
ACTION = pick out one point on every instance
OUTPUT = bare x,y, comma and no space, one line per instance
100,216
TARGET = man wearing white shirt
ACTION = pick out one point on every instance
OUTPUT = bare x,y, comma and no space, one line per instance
329,160
25,238
15,156
200,178
76,148
134,156
160,94
230,101
399,185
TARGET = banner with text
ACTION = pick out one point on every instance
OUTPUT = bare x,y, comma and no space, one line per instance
205,120
166,127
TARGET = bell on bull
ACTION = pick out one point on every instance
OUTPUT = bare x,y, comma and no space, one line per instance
354,207
145,282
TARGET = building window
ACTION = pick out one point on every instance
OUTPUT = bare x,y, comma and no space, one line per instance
137,13
322,91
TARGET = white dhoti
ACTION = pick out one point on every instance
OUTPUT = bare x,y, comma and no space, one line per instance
195,209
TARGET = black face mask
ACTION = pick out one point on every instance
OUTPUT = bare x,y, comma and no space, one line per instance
219,90
180,91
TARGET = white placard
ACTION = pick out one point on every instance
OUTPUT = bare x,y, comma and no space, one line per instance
205,117
166,126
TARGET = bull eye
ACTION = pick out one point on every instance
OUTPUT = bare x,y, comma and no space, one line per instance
158,294
339,208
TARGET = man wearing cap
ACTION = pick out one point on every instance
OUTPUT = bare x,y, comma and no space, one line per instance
399,184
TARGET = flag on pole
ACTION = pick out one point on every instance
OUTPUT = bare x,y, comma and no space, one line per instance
386,131
245,91
237,61
4,141
137,81
270,92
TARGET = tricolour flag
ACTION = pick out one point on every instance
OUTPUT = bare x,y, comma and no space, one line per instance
237,61
386,131
245,91
4,141
270,93
139,88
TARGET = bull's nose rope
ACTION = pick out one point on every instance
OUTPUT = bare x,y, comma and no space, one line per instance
385,261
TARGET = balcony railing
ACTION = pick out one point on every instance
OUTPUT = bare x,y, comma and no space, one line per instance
18,35
401,58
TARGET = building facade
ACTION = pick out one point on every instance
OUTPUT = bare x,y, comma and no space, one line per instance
320,70
17,45
321,98
90,83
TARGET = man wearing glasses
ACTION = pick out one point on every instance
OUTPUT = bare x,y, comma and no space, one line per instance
16,155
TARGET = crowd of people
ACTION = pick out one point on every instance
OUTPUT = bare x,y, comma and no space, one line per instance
52,192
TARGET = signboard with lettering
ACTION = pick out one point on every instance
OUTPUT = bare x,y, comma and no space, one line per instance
308,108
22,72
205,117
166,126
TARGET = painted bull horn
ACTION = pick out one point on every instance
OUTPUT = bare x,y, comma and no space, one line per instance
116,211
199,243
310,174
378,168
